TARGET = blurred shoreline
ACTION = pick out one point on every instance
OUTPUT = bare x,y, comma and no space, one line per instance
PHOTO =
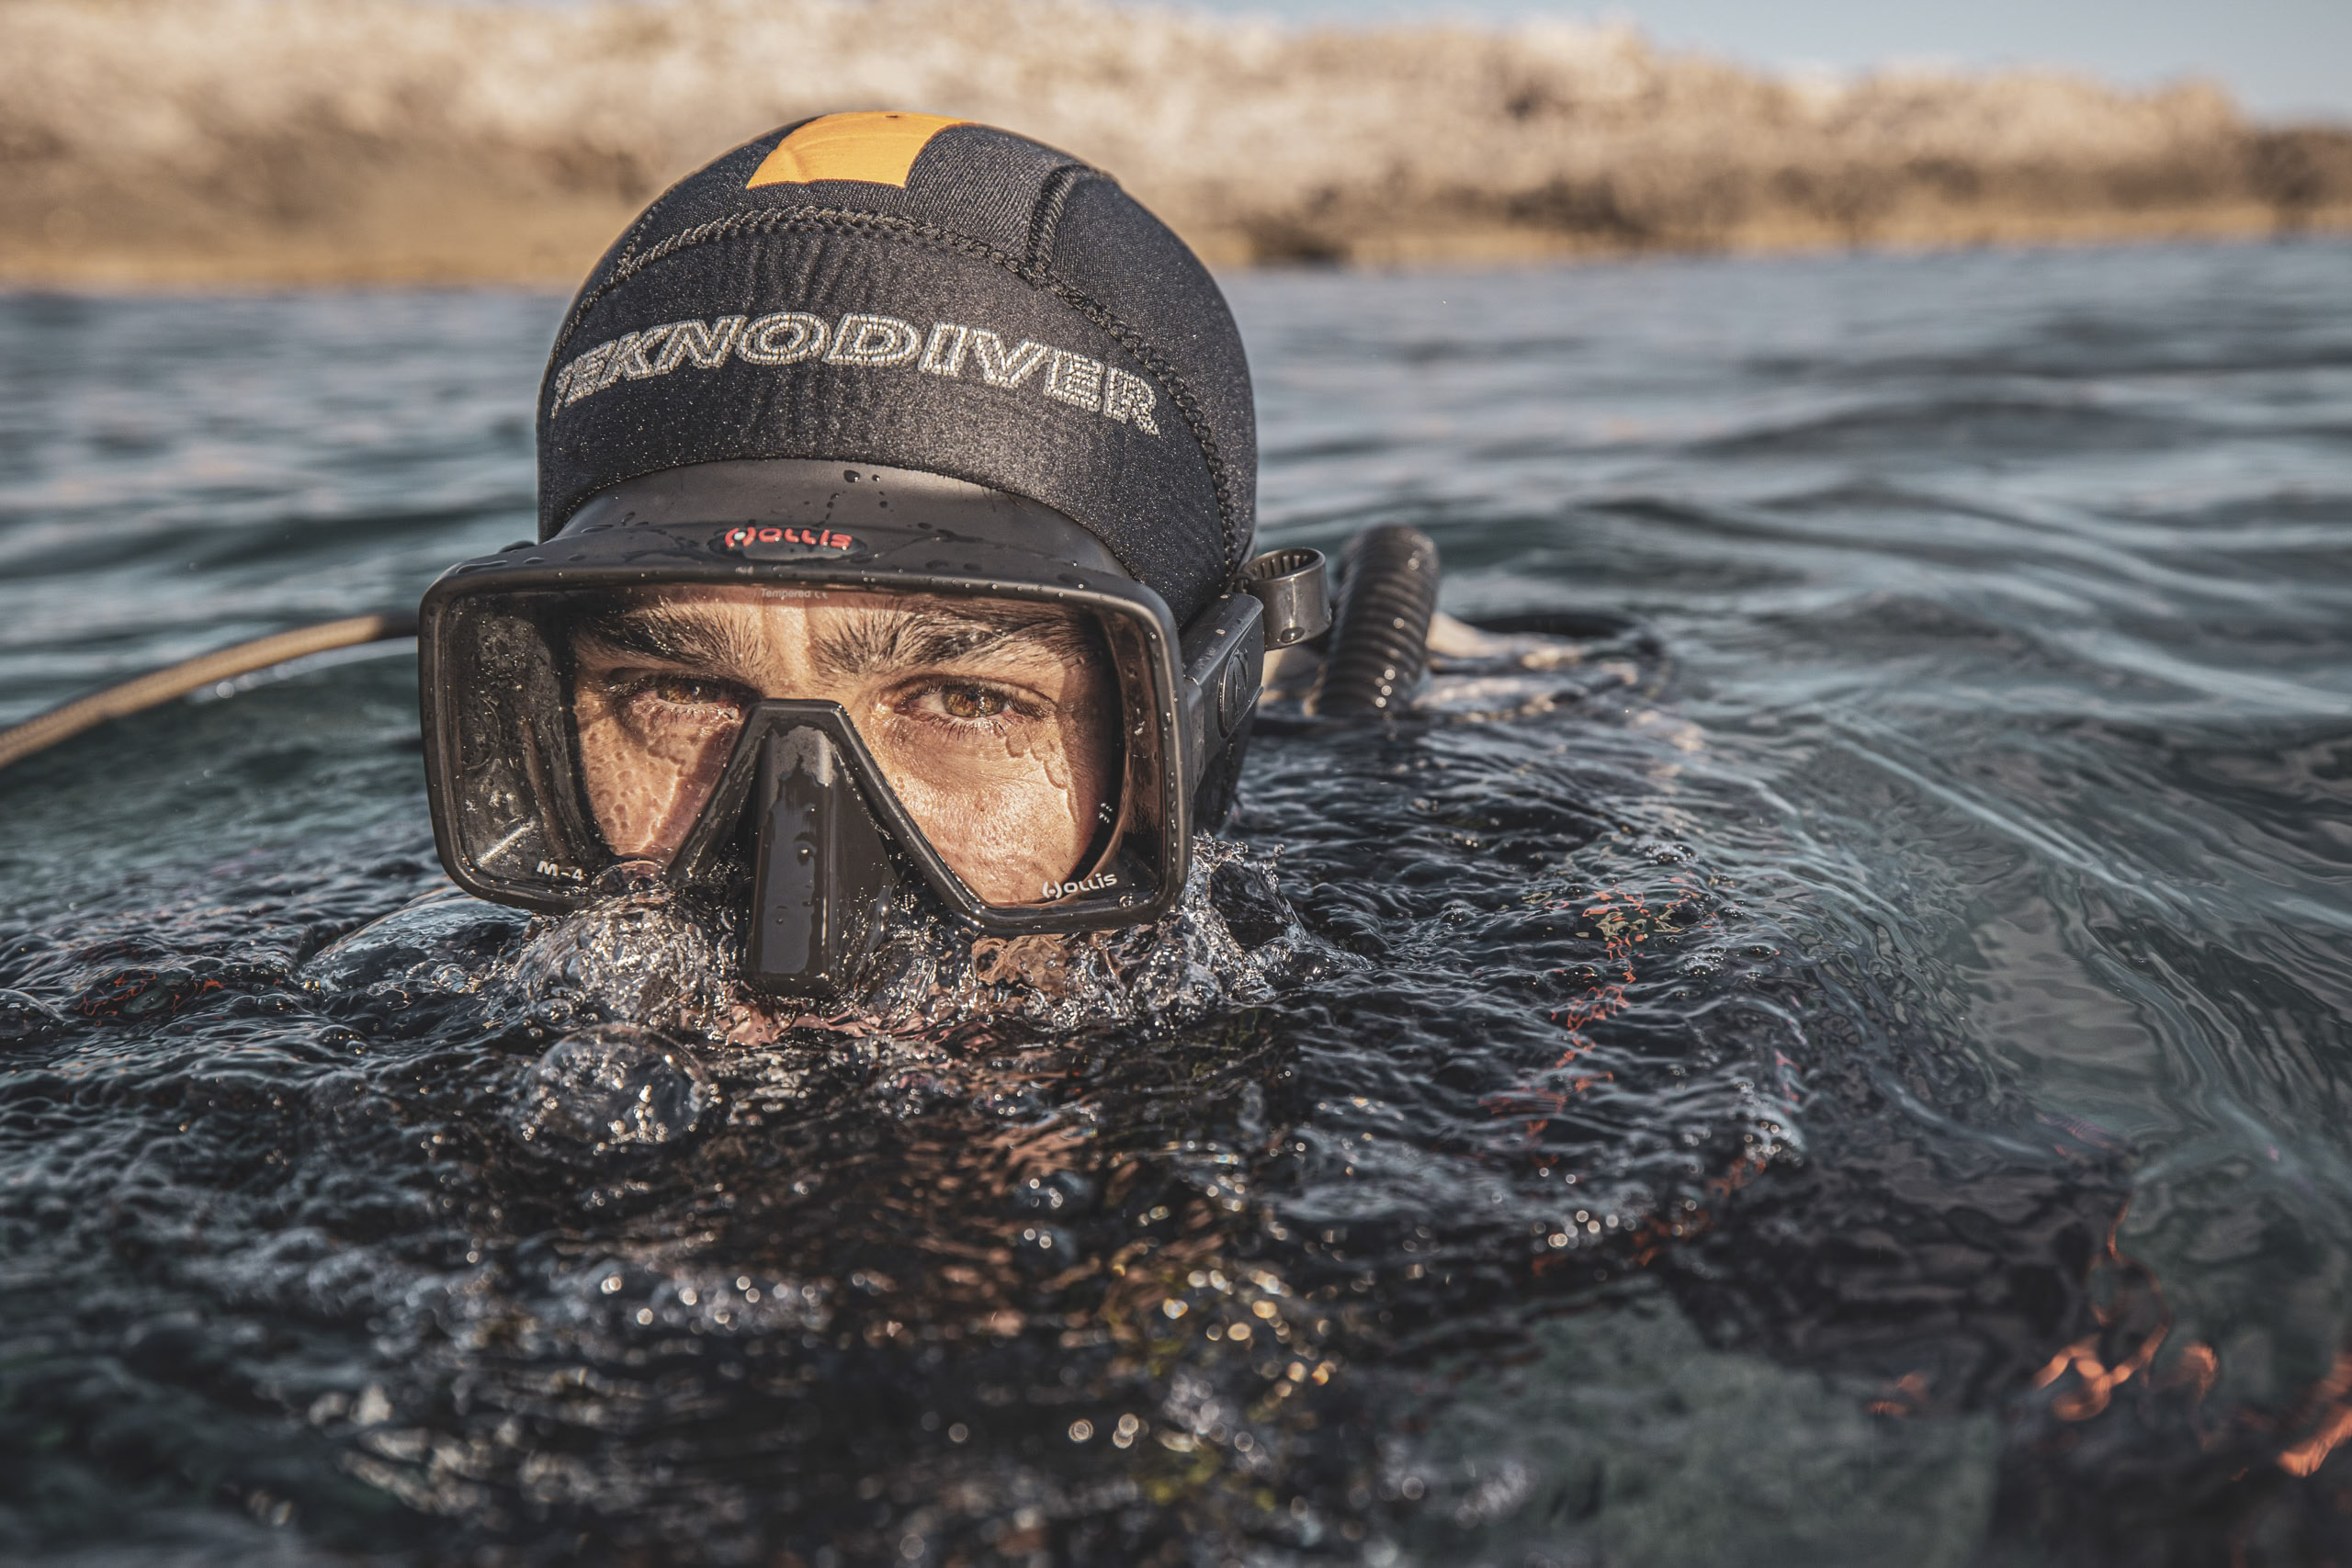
227,142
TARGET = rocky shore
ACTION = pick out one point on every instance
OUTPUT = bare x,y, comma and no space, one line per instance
205,143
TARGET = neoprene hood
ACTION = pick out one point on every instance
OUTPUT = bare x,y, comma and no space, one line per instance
928,294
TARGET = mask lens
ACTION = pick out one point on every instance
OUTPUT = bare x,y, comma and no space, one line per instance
996,723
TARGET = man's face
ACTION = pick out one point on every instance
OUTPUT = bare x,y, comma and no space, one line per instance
996,721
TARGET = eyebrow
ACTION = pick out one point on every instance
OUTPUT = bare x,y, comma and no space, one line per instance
878,641
873,642
703,642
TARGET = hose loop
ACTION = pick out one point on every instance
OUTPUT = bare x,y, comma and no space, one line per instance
44,730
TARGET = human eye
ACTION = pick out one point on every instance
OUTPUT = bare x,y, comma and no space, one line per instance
665,700
962,703
973,702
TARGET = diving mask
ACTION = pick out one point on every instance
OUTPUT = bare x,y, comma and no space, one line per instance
812,691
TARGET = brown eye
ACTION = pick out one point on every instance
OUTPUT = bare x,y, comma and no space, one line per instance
661,698
972,701
687,692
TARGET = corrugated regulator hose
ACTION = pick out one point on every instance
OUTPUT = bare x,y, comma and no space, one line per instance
1379,646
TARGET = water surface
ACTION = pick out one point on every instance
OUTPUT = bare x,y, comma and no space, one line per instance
1865,1084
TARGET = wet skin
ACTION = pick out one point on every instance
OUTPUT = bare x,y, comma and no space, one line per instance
995,721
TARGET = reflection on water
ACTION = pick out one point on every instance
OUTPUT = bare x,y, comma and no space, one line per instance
1859,1085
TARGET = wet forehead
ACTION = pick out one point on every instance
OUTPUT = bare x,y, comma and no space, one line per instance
745,628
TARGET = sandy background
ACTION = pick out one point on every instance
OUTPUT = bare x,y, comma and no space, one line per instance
255,141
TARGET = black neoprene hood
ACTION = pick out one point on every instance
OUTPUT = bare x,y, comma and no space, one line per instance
927,294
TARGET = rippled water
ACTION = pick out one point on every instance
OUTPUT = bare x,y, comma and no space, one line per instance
1866,1084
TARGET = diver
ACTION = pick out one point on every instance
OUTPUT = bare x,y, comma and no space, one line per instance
897,483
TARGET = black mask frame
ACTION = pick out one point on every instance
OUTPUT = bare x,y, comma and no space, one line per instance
799,775
829,844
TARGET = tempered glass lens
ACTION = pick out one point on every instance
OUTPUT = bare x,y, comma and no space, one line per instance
996,722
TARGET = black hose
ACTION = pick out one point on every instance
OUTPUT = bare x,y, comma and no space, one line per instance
1379,648
44,730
